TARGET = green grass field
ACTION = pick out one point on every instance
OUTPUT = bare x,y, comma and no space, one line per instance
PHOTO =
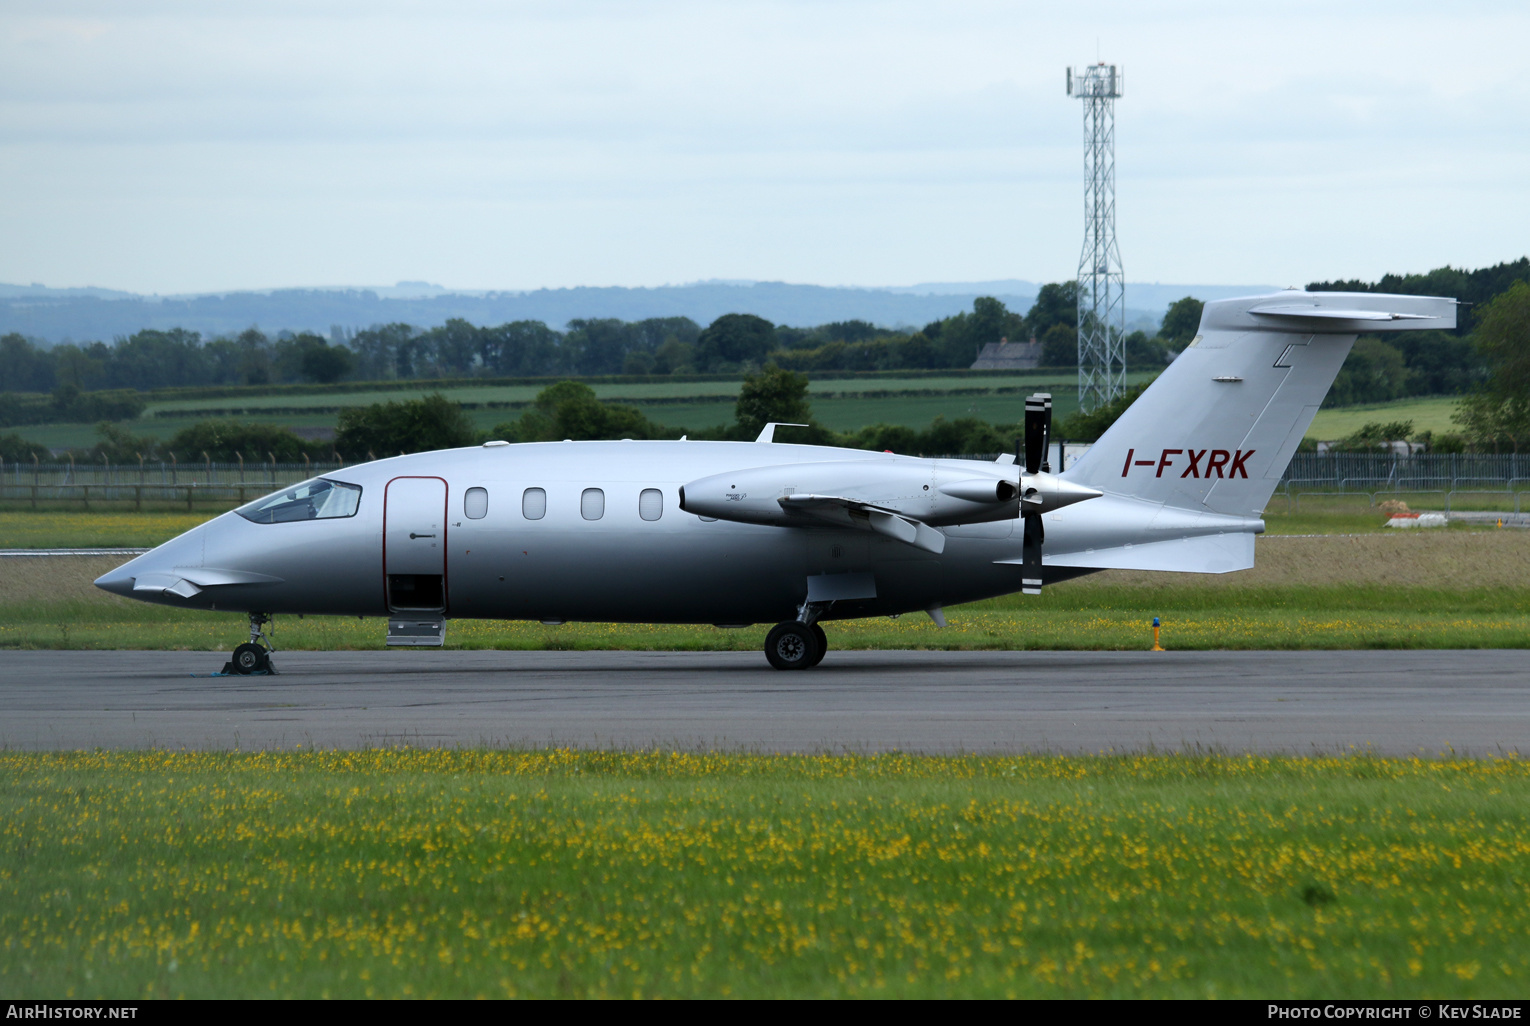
434,873
843,403
1426,414
73,529
1082,618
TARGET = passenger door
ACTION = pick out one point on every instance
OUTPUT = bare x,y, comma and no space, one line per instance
414,544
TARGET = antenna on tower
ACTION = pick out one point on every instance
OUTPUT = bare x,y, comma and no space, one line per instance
1101,284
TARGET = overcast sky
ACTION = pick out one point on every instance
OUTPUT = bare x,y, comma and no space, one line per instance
177,147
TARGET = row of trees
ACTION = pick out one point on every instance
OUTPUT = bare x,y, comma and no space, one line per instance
1495,415
734,343
1419,363
64,383
97,381
169,359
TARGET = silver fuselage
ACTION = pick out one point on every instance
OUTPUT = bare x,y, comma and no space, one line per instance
677,568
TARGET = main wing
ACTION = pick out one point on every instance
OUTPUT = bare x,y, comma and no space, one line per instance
840,511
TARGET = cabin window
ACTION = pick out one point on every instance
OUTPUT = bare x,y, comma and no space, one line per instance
534,504
475,503
318,499
592,504
651,504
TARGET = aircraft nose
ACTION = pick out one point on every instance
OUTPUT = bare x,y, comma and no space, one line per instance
185,550
118,582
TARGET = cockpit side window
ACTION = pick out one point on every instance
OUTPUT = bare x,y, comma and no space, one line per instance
319,499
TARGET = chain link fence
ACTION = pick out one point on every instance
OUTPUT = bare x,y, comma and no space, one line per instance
1449,482
148,485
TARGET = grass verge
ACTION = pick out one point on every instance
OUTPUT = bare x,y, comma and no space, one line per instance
1445,589
1431,414
393,873
1098,618
68,529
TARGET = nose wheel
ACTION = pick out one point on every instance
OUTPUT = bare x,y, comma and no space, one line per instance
795,645
250,658
254,656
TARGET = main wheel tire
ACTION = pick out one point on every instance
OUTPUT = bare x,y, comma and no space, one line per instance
792,646
250,658
823,644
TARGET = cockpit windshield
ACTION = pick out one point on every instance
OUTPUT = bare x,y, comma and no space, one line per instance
318,499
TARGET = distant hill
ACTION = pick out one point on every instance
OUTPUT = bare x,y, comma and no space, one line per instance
90,314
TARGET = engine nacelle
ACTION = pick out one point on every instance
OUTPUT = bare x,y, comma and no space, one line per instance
930,491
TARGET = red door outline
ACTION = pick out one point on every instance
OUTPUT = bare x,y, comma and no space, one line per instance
446,501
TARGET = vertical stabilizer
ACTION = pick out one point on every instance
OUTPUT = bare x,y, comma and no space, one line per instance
1218,428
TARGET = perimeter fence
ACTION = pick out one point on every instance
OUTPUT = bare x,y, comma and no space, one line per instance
1452,481
148,484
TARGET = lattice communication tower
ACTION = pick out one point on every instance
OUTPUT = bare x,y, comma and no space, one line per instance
1101,285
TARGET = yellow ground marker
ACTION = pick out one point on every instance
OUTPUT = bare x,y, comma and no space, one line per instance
1156,646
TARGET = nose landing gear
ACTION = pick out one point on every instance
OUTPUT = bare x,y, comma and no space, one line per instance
254,656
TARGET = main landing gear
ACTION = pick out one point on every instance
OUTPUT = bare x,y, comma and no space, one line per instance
254,656
798,644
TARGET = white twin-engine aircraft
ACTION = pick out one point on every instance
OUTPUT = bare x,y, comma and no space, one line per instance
737,533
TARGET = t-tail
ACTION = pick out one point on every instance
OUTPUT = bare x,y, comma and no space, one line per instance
1189,467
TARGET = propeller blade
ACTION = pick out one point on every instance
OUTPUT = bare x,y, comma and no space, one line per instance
1030,569
1046,433
1037,409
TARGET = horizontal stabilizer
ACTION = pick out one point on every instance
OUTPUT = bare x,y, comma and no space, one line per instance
1211,554
1336,313
1328,313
